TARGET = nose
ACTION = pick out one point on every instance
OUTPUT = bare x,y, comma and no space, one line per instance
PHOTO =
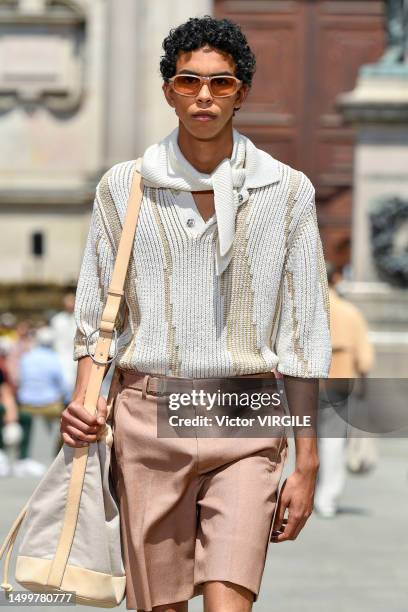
204,94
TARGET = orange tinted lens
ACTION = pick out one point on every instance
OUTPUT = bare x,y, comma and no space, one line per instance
223,86
186,84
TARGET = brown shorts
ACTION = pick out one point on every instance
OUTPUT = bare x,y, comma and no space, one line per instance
192,509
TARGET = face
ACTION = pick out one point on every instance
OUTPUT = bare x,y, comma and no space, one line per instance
203,115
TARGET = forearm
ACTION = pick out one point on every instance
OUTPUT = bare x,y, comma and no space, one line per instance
83,373
302,398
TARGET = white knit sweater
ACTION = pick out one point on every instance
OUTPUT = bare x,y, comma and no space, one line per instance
270,308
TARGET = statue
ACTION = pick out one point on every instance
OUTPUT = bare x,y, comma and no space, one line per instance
397,32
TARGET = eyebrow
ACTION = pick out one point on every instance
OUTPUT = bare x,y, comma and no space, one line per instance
225,73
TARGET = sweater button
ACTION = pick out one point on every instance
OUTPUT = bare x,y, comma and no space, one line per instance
190,222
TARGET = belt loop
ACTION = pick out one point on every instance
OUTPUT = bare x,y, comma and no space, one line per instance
144,385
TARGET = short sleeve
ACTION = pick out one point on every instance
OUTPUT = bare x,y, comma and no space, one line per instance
93,284
302,342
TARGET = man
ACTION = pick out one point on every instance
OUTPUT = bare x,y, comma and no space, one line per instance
226,280
42,388
64,327
8,410
353,357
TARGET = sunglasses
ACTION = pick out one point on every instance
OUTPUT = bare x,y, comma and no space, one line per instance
220,86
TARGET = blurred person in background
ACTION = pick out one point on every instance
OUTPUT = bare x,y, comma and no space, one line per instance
42,390
64,327
10,429
22,341
352,357
7,325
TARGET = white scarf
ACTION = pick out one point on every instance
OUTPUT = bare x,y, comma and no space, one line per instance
165,166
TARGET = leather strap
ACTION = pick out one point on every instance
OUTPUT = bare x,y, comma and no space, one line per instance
107,323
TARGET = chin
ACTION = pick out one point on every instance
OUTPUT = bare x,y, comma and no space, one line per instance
205,130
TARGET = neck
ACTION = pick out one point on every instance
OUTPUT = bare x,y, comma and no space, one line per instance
205,155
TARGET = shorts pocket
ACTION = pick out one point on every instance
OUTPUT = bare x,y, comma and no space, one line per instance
116,425
277,453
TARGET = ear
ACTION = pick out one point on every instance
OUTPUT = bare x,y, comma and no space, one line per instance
241,96
169,94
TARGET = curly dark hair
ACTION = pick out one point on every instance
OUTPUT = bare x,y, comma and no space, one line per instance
221,34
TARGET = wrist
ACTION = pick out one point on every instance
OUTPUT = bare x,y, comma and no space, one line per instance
307,465
78,396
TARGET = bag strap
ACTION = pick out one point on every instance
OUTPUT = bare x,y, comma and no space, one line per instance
7,547
108,319
115,294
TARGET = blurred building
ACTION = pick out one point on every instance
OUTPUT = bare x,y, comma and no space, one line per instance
309,52
79,91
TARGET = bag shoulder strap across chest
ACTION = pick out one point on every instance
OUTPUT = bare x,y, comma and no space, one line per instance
115,294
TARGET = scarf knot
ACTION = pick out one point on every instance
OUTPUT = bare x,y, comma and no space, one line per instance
164,165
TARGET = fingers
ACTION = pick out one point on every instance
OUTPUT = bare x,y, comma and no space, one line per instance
77,434
291,527
280,535
69,419
77,410
281,508
301,524
283,525
102,410
72,442
288,528
78,427
276,531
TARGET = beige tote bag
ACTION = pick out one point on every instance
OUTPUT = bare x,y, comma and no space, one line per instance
71,527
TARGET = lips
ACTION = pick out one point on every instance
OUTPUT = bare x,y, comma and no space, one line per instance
204,116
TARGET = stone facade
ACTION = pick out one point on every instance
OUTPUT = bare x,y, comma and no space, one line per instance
79,91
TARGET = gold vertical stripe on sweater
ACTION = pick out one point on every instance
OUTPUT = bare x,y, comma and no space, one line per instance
293,186
295,324
99,269
278,308
323,277
294,183
172,349
239,303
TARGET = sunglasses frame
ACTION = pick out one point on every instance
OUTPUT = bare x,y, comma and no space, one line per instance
206,79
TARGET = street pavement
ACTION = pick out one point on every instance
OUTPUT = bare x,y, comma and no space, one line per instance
356,562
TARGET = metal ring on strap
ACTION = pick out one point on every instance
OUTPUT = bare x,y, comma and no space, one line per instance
115,339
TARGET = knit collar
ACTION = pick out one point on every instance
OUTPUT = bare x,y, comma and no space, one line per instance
163,165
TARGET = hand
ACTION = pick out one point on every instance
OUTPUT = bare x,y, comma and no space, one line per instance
297,495
78,427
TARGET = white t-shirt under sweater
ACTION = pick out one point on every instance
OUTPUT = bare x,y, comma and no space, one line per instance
269,309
